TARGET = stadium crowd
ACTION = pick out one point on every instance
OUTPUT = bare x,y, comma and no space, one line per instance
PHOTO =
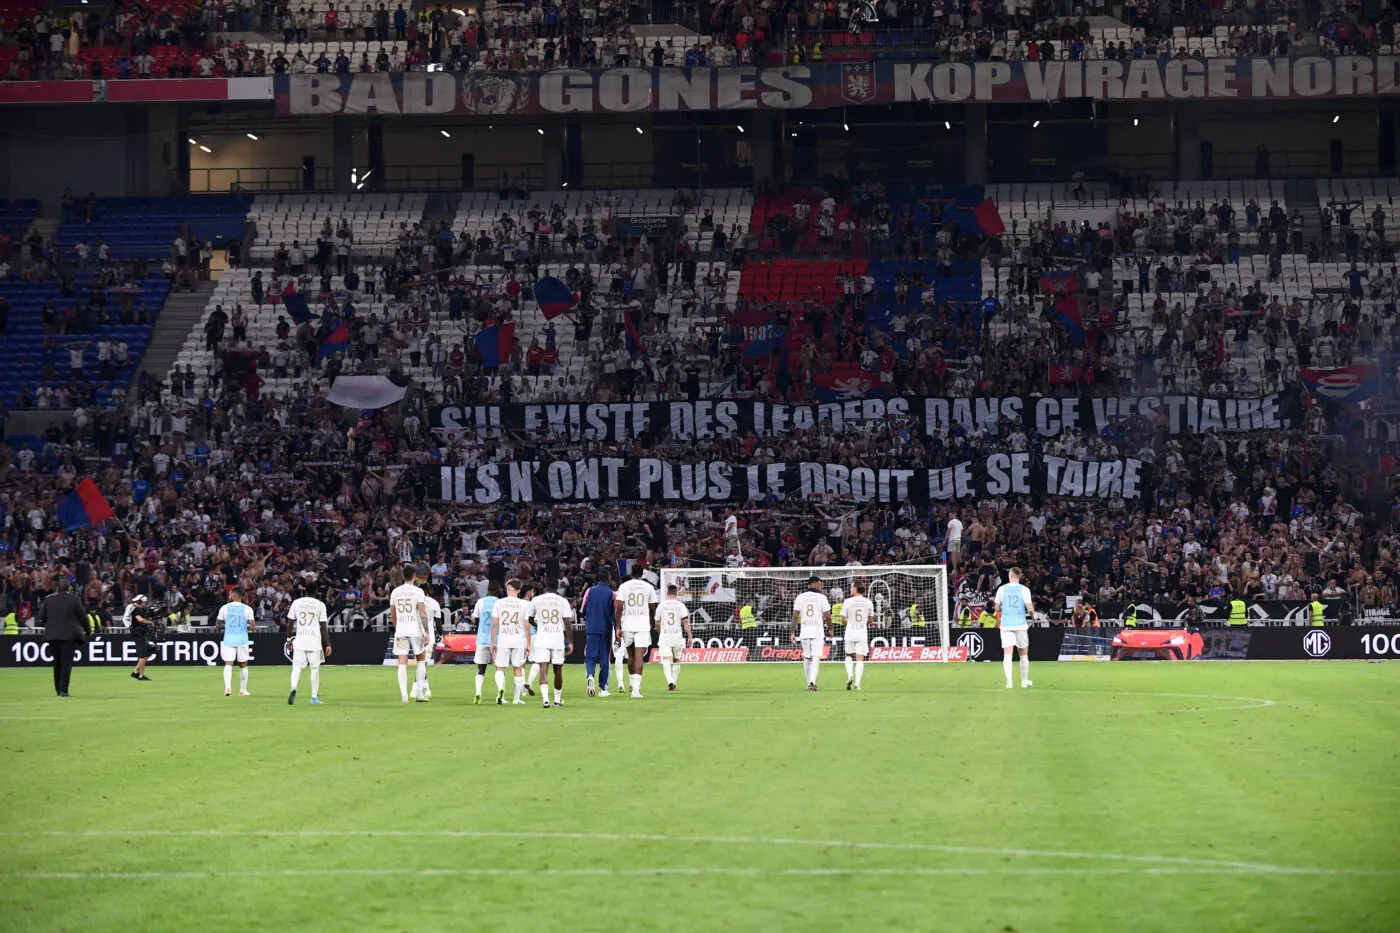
142,40
215,480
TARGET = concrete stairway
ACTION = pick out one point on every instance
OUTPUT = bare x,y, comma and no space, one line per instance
180,314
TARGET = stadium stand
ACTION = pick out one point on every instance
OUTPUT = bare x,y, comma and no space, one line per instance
146,228
375,220
917,297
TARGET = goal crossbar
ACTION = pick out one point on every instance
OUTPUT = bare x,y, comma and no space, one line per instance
911,600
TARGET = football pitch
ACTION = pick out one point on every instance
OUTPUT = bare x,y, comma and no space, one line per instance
1108,797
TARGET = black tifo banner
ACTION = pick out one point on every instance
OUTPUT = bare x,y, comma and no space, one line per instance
188,650
1242,643
648,479
1049,417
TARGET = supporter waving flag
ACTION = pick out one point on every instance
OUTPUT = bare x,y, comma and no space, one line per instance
553,297
635,348
495,343
84,506
336,342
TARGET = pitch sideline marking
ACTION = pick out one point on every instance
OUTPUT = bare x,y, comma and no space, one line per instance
1184,862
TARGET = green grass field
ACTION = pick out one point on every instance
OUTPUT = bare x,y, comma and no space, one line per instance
1109,797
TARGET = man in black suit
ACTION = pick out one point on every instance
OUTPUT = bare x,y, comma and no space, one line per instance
65,622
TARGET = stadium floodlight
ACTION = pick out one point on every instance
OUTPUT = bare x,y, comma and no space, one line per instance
251,136
1337,118
947,124
193,141
206,149
445,134
1035,125
1135,121
639,131
911,601
739,128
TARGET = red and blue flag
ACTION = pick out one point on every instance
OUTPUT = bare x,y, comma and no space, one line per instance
84,506
553,297
1059,282
1343,384
635,347
988,218
846,382
495,344
336,342
1066,312
297,307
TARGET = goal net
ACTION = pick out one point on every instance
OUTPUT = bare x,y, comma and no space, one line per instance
752,607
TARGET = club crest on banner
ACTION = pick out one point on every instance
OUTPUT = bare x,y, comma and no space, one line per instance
495,93
858,83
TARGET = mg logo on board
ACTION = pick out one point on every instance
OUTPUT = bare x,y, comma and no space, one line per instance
1316,644
972,641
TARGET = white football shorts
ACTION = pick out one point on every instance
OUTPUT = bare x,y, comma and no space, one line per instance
483,653
304,658
812,648
1016,638
670,650
640,639
540,655
857,646
234,653
510,655
408,645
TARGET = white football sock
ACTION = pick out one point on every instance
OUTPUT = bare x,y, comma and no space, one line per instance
420,674
807,669
519,686
636,683
850,667
228,676
675,672
500,679
816,667
534,674
1025,668
860,671
296,676
315,682
480,679
243,678
403,680
1006,666
666,670
558,694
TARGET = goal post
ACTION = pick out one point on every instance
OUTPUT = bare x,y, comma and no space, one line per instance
752,607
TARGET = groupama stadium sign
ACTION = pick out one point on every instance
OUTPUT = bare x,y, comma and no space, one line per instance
793,87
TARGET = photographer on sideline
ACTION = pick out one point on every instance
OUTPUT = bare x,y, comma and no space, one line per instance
139,622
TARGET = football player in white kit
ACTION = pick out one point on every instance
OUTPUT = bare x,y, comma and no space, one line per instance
633,607
811,614
673,634
510,638
421,691
408,606
858,613
308,635
553,641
